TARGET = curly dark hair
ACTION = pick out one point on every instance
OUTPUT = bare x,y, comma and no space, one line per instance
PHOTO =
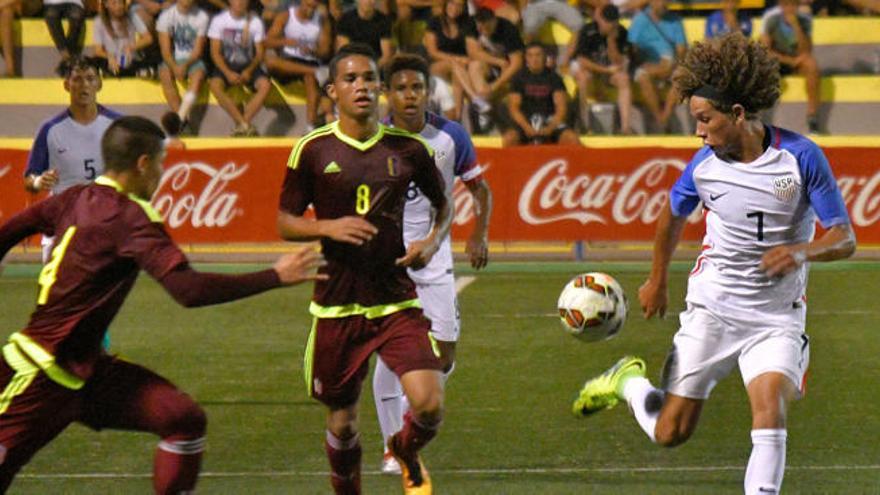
733,67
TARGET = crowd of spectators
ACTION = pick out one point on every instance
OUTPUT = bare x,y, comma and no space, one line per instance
478,52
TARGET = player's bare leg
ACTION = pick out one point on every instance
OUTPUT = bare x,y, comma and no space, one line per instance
344,449
769,394
677,420
424,391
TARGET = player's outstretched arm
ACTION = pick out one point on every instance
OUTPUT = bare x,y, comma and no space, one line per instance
653,297
350,229
837,243
477,247
191,288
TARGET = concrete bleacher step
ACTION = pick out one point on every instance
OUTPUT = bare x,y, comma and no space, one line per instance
842,44
851,105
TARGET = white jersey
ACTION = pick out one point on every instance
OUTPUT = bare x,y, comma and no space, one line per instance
184,28
238,37
306,34
752,207
73,149
455,157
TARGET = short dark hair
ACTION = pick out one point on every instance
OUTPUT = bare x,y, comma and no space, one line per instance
610,12
348,51
407,61
127,139
536,44
78,62
483,14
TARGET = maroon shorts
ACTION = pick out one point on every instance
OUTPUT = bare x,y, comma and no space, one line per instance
338,353
119,395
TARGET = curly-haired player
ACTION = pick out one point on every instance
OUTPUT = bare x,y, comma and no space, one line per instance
763,188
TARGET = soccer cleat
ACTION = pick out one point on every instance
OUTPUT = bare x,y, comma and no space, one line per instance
390,464
606,390
416,480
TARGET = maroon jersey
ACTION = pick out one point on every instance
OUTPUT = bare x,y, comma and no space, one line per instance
102,239
340,177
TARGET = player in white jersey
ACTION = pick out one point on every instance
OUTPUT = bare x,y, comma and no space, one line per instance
407,92
67,149
763,189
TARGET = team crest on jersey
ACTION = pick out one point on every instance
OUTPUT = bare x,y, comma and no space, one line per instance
393,166
332,168
785,188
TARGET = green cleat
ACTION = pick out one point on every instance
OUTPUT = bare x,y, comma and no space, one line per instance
606,390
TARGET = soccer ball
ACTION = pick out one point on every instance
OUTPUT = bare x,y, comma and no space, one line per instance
592,307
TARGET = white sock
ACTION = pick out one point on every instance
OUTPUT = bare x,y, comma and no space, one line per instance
390,401
645,402
186,104
444,377
767,462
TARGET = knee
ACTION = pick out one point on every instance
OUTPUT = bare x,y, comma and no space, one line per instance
76,15
184,418
428,408
52,14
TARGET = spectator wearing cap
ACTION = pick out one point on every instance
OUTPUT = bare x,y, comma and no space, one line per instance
599,57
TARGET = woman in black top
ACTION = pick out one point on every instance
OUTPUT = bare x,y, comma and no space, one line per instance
445,43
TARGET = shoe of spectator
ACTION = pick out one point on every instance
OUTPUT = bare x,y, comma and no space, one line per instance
172,124
813,125
240,130
251,131
482,105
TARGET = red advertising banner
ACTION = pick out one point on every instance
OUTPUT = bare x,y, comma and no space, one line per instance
541,193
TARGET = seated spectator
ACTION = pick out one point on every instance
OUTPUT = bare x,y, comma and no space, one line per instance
237,50
120,36
538,104
496,55
505,9
539,12
445,42
409,14
657,37
303,37
728,20
182,31
366,25
148,10
601,55
7,39
788,34
68,44
271,8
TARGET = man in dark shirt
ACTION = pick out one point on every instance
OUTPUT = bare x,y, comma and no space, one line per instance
367,25
537,103
496,54
55,372
355,172
601,56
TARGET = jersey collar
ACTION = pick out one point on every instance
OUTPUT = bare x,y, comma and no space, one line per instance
354,143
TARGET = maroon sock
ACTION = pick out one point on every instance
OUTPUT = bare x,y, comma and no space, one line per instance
177,463
413,436
345,464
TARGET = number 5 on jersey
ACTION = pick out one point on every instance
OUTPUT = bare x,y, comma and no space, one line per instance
362,200
49,273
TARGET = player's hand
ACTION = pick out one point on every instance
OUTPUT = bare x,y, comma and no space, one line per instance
300,266
418,254
653,298
46,180
477,249
351,229
782,260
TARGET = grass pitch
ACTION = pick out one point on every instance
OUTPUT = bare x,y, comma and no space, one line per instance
508,429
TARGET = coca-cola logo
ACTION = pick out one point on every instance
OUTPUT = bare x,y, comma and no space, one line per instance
862,196
211,206
551,194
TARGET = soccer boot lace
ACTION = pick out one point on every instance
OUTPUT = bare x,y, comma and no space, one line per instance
605,390
416,480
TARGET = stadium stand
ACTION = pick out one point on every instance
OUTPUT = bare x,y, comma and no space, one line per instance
847,49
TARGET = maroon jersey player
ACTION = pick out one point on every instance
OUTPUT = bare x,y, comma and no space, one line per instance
54,371
355,172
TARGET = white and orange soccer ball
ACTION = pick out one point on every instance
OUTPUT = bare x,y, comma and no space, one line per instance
592,306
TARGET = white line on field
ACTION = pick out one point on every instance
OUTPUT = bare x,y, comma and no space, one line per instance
852,312
462,282
486,471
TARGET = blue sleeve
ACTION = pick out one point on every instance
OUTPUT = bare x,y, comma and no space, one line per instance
683,197
680,38
465,155
711,25
821,187
38,159
636,28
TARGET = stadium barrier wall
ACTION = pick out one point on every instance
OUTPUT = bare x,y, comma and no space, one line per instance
543,193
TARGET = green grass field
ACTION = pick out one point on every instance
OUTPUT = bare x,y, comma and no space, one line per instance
508,429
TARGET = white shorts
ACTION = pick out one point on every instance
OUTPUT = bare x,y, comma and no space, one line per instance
708,345
440,305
